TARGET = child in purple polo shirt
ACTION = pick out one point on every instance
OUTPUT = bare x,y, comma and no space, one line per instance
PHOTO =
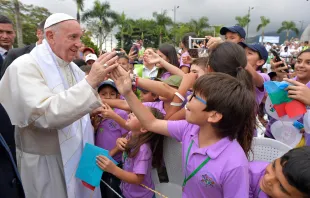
142,150
111,127
286,177
185,46
216,135
301,83
257,56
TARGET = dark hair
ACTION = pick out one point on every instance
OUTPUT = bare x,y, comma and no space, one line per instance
307,50
155,140
306,42
5,20
185,39
41,25
295,168
272,74
79,62
170,52
201,62
85,68
123,56
228,96
229,58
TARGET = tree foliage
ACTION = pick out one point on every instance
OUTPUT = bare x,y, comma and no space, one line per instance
31,16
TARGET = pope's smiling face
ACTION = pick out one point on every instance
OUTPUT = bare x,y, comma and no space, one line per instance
65,39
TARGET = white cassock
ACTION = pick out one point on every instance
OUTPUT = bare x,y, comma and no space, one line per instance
49,100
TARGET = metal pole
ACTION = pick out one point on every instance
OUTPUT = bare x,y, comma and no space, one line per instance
247,28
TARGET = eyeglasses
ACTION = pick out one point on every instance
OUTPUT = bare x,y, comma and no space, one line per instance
198,98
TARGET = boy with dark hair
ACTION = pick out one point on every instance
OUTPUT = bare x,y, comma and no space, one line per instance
257,56
285,177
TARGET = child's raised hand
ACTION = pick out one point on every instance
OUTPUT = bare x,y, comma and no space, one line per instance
151,57
189,79
105,164
121,143
299,91
187,59
107,111
122,80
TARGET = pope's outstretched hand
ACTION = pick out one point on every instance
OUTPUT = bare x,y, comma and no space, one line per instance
101,67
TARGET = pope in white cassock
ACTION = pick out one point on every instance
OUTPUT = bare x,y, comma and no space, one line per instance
48,98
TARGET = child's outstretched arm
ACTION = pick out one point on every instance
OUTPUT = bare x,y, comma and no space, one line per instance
151,57
123,83
128,177
117,103
156,87
109,113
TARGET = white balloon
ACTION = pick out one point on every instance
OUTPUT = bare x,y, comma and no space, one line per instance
272,112
307,121
286,133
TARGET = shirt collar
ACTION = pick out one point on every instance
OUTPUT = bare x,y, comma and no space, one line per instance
214,150
2,51
154,68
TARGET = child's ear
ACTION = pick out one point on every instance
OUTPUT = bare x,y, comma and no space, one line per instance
214,117
260,62
143,130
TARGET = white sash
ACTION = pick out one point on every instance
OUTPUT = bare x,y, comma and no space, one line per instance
73,137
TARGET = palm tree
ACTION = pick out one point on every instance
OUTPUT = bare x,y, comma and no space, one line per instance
199,25
162,21
264,22
125,26
243,21
288,26
103,13
19,28
80,7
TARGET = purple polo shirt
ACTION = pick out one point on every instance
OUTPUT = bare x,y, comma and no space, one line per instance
261,93
181,61
225,175
140,164
157,105
165,75
108,132
256,172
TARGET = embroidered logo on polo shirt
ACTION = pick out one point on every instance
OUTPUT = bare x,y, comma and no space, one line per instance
208,180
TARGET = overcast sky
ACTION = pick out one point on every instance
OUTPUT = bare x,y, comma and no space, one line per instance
218,11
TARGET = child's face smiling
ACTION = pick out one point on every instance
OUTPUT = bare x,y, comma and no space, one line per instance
133,123
302,66
195,113
275,184
253,58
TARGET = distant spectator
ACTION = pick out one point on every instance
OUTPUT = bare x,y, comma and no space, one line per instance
88,50
79,62
90,59
86,69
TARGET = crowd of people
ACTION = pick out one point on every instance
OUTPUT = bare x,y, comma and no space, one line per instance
58,94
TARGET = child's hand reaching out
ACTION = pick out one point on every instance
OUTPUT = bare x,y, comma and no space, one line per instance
121,143
107,111
122,80
105,164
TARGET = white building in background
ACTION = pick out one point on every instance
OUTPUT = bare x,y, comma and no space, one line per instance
306,34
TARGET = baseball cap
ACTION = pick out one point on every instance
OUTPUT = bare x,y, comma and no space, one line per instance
91,57
88,49
235,29
173,80
257,48
105,83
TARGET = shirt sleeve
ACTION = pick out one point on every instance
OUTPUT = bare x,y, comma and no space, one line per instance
177,129
236,183
181,61
28,99
143,160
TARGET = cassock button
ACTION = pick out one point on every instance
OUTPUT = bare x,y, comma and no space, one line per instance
14,182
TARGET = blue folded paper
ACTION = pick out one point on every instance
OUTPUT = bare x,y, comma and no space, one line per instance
88,171
298,125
